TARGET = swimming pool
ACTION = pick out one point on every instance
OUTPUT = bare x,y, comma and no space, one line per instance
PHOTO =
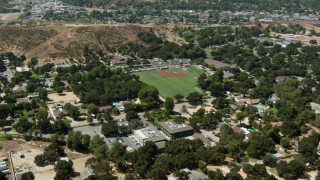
260,106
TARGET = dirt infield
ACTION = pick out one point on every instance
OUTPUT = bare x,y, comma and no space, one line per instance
166,74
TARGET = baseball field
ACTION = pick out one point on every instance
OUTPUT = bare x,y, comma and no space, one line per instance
170,81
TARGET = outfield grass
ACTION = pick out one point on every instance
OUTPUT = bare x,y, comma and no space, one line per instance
196,70
170,86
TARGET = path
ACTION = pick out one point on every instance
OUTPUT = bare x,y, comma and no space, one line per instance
69,35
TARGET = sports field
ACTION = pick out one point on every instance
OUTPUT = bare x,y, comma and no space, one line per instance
170,81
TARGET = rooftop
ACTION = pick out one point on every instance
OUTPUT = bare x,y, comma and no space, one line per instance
149,134
172,127
201,137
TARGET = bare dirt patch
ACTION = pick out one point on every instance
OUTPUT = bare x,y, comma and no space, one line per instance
64,98
302,38
9,16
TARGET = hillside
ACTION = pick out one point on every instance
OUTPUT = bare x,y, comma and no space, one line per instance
58,43
90,3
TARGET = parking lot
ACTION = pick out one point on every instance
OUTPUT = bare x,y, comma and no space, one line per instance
96,130
130,141
90,130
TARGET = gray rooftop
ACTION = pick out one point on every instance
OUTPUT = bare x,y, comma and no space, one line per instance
172,127
150,133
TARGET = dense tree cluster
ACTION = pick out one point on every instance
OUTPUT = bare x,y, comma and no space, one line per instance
50,155
100,85
162,48
78,142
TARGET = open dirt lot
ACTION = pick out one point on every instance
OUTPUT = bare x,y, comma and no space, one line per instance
32,149
301,38
9,16
27,164
66,97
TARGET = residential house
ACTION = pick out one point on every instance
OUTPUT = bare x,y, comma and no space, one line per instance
281,79
195,175
315,107
105,108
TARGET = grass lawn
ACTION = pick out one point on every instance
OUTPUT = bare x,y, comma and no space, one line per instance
170,81
195,70
208,51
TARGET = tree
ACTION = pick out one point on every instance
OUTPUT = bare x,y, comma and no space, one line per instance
117,151
220,103
130,176
269,160
44,125
90,119
43,94
291,170
3,175
233,175
59,90
42,114
158,174
96,142
179,97
51,156
143,158
149,93
131,115
23,125
259,144
33,62
60,126
27,176
285,142
194,98
64,170
307,147
184,109
261,51
216,175
93,109
109,129
169,104
257,171
313,41
57,148
72,110
4,111
75,140
182,175
40,160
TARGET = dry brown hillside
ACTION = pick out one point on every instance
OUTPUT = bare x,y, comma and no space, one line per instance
58,43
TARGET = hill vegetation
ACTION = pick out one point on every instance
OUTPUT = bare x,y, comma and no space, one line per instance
57,43
296,5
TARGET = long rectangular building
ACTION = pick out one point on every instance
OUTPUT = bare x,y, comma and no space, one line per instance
174,130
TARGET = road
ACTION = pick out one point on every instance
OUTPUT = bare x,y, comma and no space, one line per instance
11,169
